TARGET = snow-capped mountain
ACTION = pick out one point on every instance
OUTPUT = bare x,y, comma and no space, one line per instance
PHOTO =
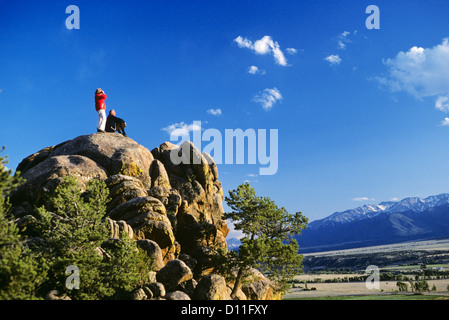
233,244
410,204
360,213
416,204
411,218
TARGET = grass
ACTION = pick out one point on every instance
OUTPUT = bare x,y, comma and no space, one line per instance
415,267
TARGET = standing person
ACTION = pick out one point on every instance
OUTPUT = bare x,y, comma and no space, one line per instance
115,124
100,106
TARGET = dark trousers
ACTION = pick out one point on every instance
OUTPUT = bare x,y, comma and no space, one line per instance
121,129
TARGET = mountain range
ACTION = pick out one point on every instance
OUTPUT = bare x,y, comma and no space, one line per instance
409,219
412,218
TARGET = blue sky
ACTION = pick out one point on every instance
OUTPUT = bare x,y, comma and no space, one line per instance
360,113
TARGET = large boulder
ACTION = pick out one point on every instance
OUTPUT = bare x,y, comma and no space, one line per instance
154,251
159,175
113,152
199,218
46,175
211,287
177,295
118,228
172,209
123,188
258,290
173,274
157,289
135,207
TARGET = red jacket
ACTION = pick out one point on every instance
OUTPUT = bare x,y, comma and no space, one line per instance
99,101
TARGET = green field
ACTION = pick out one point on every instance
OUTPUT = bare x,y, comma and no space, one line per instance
336,275
445,266
379,297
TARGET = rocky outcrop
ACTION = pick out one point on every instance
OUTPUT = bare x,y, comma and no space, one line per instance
168,200
174,273
211,287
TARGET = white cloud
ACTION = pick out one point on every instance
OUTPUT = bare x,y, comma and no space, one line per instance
341,45
243,42
442,103
363,199
333,59
266,45
255,70
214,112
268,98
263,46
252,181
253,176
291,50
181,129
1,90
421,72
343,39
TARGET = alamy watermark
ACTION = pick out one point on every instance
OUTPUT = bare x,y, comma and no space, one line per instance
72,21
260,148
373,21
73,279
373,280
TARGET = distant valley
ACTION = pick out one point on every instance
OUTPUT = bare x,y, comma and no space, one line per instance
409,219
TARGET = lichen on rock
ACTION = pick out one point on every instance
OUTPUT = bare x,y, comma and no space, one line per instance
173,211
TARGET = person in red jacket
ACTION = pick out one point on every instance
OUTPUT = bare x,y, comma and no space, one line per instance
100,106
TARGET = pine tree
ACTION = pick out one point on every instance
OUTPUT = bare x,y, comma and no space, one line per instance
8,182
74,234
267,243
22,271
70,232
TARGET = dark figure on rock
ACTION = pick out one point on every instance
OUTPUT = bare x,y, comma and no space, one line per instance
115,124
